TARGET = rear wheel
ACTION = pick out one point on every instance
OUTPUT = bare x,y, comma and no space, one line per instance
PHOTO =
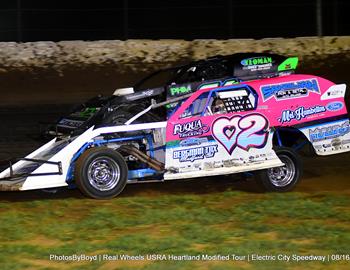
101,173
282,178
117,118
124,113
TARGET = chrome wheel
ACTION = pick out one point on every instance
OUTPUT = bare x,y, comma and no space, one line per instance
282,176
103,173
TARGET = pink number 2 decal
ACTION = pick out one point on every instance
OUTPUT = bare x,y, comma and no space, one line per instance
244,132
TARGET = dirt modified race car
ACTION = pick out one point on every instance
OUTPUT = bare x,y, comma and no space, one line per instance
254,126
169,83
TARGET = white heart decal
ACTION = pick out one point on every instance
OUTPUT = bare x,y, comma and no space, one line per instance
225,132
245,132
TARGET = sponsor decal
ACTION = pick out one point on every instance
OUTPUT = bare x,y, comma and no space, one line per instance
345,141
289,90
257,157
190,129
318,147
231,82
52,151
209,85
86,112
336,143
70,123
193,154
143,94
300,113
329,132
179,90
335,91
213,84
335,106
245,132
289,63
193,141
257,63
263,107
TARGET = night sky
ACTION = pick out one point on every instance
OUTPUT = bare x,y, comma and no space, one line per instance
34,20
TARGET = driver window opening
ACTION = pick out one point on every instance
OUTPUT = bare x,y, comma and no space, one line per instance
196,107
222,102
237,100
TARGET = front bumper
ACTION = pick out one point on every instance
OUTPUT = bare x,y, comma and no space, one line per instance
14,179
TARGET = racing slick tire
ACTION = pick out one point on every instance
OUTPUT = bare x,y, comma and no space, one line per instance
125,113
284,178
117,119
101,173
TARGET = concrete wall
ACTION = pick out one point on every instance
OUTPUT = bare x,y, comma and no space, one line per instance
70,71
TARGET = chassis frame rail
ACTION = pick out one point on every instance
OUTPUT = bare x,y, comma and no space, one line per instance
41,161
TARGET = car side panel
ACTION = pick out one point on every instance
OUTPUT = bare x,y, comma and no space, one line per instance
330,137
313,105
219,144
299,99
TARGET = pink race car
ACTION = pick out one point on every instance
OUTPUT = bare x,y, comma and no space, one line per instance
250,126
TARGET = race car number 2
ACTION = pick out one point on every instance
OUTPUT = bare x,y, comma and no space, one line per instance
245,132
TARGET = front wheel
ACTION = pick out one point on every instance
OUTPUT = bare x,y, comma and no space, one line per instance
101,173
282,178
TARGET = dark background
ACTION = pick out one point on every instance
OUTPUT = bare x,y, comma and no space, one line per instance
26,98
55,20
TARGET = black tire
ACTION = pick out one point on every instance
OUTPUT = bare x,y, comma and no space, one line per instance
121,114
117,118
124,113
101,173
282,179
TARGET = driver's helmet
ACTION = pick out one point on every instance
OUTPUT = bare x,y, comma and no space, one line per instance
218,106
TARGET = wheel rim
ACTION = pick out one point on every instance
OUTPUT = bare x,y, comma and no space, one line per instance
282,176
103,173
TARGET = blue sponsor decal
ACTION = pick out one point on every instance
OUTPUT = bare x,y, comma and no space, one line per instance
300,113
334,106
193,154
193,141
259,60
289,89
330,132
